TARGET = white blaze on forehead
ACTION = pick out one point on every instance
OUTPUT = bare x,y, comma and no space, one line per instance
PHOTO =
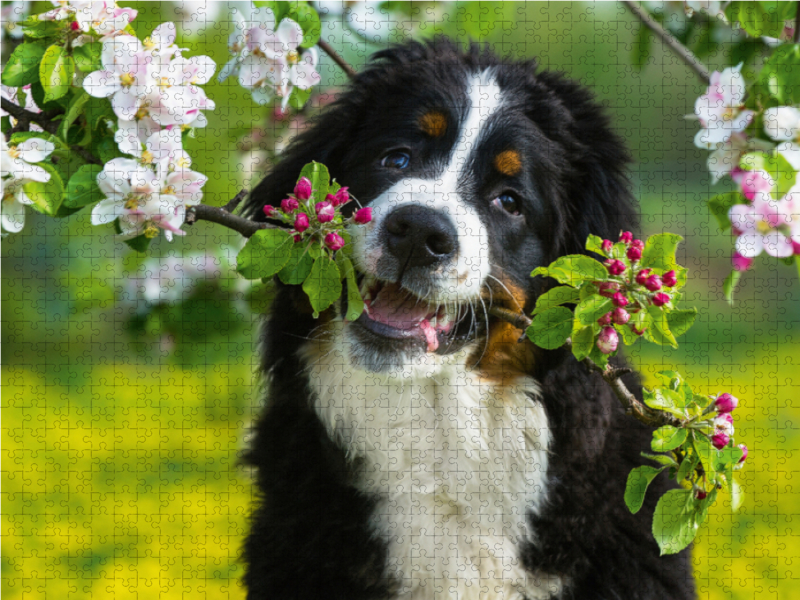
462,280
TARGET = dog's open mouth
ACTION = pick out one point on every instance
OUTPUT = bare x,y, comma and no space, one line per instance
395,313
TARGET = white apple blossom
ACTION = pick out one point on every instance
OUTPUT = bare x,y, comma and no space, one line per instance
103,18
782,124
237,42
16,170
124,78
719,109
767,225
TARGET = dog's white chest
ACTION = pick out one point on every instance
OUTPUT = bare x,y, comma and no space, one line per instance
455,462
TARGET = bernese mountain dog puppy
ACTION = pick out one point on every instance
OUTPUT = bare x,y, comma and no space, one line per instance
423,451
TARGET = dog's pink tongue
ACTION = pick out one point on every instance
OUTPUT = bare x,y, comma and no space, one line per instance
399,309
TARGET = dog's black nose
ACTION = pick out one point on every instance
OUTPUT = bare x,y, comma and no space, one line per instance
420,236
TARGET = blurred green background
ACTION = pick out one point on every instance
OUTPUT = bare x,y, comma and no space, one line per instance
123,417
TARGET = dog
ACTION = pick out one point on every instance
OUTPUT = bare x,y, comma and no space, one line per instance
423,451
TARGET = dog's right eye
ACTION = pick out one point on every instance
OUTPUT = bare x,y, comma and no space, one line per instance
398,159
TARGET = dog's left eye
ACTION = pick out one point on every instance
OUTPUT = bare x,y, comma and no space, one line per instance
507,202
398,159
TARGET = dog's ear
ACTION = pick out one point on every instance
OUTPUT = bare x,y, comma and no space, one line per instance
324,142
596,194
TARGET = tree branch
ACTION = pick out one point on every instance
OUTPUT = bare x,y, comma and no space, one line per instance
26,117
222,215
326,47
610,374
682,51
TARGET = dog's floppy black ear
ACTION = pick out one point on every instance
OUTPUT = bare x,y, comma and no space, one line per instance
324,142
597,200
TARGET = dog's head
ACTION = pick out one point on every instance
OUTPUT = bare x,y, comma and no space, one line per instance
477,170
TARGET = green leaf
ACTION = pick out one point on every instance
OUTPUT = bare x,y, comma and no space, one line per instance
688,464
729,285
721,204
355,304
659,251
592,308
667,438
674,524
319,177
22,67
323,285
629,338
729,455
87,57
308,19
775,164
737,495
679,321
779,73
140,243
659,332
582,342
558,295
55,72
598,358
75,108
594,243
666,400
298,99
46,197
82,188
265,253
299,266
636,487
662,459
765,18
551,328
574,269
706,454
35,28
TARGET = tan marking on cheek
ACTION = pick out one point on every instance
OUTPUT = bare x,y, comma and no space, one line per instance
508,163
433,124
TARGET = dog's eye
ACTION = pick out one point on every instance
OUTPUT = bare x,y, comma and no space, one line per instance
397,159
507,202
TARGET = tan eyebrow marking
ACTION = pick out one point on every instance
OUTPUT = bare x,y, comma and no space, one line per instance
508,162
433,123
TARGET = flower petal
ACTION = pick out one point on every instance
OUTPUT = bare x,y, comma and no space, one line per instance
35,150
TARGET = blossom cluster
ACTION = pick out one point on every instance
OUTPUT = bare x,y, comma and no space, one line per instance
721,429
267,59
91,18
768,223
155,94
634,289
319,221
16,169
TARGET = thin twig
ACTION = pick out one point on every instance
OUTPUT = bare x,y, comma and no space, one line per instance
610,374
221,216
682,51
326,47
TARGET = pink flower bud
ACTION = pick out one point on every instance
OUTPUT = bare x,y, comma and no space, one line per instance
626,237
607,246
620,316
741,263
325,212
363,216
724,422
269,210
653,283
725,403
74,26
331,198
744,453
607,289
641,276
289,205
637,244
297,237
637,331
619,299
720,439
334,241
608,340
669,279
660,299
302,190
301,222
634,253
616,267
604,320
342,196
701,495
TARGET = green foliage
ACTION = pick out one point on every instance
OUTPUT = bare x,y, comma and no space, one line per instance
573,269
323,285
46,197
265,253
551,328
88,57
779,74
318,174
299,266
55,72
675,521
82,188
668,438
782,173
659,254
558,295
761,18
721,204
22,67
636,488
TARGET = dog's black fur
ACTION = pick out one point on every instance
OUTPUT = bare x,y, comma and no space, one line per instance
309,536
